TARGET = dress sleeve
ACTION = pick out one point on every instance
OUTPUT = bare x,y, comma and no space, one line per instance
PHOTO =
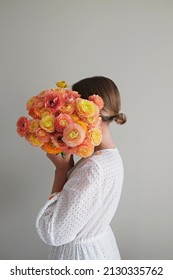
62,217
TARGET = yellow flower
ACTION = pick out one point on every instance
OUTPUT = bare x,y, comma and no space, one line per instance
85,108
48,123
95,136
61,84
33,140
84,126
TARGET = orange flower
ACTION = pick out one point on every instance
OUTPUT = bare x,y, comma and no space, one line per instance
75,117
73,135
84,126
42,135
85,108
97,100
95,136
33,140
34,112
68,107
30,102
50,148
62,121
22,126
84,150
33,125
48,123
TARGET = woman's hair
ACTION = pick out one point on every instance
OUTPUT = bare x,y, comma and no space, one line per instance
108,91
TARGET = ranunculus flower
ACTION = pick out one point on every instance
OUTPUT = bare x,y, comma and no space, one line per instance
84,150
95,136
34,112
75,117
30,102
62,121
22,126
42,135
61,84
84,126
85,108
56,139
97,100
48,123
39,102
53,100
73,135
33,139
68,108
44,112
33,125
70,95
50,148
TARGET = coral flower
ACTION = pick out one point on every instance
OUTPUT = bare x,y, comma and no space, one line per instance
33,125
39,102
62,121
73,135
68,107
33,139
97,100
85,108
95,136
48,123
42,135
50,148
22,126
53,100
84,150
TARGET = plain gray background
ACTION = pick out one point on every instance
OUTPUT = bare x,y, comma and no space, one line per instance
128,41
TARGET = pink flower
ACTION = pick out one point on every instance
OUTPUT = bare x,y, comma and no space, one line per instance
53,100
97,100
73,135
70,95
22,126
62,121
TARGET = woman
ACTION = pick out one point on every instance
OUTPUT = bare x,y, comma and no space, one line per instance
75,221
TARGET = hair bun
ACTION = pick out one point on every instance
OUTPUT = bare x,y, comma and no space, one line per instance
120,118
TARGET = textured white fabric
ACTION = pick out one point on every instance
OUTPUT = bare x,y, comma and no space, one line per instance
76,221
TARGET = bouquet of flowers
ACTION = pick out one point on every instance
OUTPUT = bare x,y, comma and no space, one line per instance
62,122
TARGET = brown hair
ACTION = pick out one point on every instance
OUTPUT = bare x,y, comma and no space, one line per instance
108,91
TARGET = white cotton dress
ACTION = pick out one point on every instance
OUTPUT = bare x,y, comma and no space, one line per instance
75,223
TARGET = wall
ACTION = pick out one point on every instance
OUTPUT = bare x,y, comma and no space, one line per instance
129,41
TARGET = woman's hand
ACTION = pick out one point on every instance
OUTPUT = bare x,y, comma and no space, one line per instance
62,163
